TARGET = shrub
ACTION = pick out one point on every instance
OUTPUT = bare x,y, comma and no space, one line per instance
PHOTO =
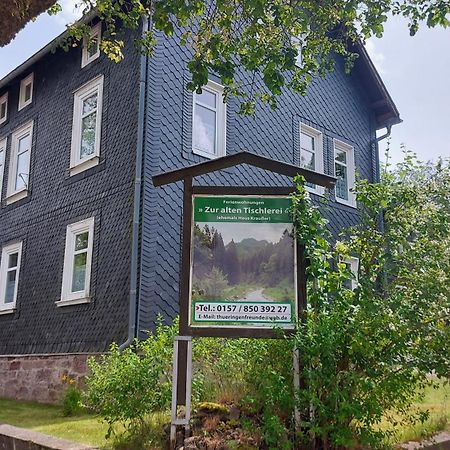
124,387
72,401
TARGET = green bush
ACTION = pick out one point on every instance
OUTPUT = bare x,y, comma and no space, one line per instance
72,401
124,387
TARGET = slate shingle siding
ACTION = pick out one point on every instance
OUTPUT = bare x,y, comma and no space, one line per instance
336,106
56,200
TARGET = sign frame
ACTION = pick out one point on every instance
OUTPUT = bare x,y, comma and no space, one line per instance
186,263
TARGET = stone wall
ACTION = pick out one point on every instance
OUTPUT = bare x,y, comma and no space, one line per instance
41,378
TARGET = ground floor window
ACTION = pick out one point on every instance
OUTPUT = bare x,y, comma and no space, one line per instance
9,275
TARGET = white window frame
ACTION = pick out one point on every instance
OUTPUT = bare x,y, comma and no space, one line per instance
221,121
353,262
6,308
23,84
3,143
351,169
67,296
96,32
297,41
4,101
318,146
13,195
77,164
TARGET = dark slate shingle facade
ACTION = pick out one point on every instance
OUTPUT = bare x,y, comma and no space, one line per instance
55,200
336,105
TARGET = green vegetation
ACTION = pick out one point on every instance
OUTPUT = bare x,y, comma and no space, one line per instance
49,419
434,402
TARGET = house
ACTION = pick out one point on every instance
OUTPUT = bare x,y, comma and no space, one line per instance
89,250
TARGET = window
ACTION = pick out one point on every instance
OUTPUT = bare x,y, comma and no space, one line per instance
9,276
3,108
19,165
77,263
209,122
352,264
26,91
2,162
297,42
91,46
87,118
311,153
344,169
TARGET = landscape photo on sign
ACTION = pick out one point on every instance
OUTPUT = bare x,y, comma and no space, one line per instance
243,262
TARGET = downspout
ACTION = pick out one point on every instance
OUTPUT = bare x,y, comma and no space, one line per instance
382,225
133,299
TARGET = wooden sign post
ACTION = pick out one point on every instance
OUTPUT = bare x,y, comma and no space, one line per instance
219,216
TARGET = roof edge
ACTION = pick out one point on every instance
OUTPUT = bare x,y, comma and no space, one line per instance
52,45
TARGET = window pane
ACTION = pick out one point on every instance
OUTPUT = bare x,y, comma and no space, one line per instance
79,272
23,168
24,143
342,182
2,110
81,241
207,98
88,135
27,92
2,158
12,262
93,46
10,286
341,156
205,130
89,104
308,160
307,142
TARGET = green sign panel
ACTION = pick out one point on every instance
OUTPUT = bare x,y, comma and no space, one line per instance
243,262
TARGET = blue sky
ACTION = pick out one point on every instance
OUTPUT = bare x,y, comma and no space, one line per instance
416,71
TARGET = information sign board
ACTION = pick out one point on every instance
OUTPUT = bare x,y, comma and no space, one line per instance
243,262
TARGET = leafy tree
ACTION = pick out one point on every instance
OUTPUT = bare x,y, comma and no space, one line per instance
365,351
232,264
263,37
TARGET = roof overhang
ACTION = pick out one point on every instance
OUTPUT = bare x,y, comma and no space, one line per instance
50,47
244,157
381,103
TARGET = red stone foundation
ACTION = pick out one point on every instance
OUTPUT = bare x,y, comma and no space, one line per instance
41,378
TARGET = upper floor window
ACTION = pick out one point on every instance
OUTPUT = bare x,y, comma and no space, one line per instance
311,153
352,264
26,91
91,46
19,164
77,262
3,108
209,122
2,163
297,42
9,276
344,169
87,119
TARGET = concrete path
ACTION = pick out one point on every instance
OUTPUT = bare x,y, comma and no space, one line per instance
22,439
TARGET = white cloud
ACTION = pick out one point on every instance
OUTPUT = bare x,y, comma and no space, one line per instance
71,11
376,56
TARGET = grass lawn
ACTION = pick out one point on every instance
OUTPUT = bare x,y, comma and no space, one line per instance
437,402
48,419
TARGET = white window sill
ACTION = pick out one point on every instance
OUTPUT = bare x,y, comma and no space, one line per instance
75,301
9,310
84,165
16,196
24,105
346,202
206,154
319,192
